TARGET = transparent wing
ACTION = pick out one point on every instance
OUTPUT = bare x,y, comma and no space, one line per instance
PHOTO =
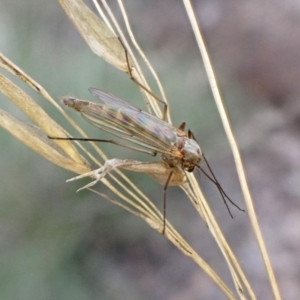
126,121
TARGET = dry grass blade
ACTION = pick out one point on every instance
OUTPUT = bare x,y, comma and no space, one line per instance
202,207
178,241
32,109
35,138
234,148
103,41
136,71
98,36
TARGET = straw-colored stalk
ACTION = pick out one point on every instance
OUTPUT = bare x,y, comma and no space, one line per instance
102,36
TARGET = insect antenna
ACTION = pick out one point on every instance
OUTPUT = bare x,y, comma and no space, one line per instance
214,179
221,190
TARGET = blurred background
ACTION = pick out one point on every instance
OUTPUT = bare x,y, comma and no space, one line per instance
56,243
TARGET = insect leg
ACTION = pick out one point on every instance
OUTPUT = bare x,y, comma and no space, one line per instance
160,171
153,153
165,111
165,200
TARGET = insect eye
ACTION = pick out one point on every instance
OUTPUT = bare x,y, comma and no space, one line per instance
190,169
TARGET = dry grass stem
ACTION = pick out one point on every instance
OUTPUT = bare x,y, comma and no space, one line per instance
234,148
177,240
148,64
136,71
32,109
98,36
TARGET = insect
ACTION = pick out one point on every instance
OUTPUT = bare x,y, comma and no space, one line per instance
179,151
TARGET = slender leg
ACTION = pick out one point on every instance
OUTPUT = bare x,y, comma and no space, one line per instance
165,111
153,153
160,171
165,200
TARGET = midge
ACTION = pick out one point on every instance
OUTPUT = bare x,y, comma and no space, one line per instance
179,151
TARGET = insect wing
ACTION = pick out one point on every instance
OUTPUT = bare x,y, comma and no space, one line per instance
111,100
118,117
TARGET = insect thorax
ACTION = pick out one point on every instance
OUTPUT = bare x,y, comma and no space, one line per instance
191,154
